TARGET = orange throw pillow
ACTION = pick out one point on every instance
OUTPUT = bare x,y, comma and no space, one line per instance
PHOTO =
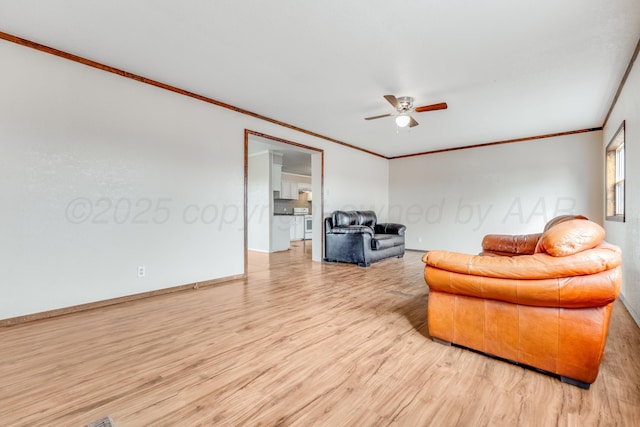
570,237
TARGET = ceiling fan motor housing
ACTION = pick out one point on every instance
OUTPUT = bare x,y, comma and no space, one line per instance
405,103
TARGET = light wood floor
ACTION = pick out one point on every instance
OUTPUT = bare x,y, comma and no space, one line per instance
298,343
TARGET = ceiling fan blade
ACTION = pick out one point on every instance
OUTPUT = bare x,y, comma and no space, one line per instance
432,107
378,117
413,122
392,100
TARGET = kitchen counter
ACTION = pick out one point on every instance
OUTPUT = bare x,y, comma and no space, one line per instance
289,214
293,223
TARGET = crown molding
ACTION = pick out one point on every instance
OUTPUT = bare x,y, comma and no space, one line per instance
161,85
622,82
75,58
507,141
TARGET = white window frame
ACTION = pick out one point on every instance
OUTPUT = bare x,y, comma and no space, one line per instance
615,176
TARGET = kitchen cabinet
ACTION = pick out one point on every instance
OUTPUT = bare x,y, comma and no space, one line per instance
289,190
292,184
276,177
276,172
297,227
281,232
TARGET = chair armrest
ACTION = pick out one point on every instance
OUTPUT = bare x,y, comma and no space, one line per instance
590,278
592,290
537,266
351,229
506,244
390,228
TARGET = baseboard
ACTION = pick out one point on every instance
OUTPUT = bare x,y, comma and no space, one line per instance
633,314
104,303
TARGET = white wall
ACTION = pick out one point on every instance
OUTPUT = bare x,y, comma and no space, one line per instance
368,183
627,234
450,200
101,174
259,196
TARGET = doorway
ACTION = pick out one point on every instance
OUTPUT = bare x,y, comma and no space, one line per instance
282,177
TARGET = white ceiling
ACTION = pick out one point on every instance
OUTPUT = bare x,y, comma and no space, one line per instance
295,160
507,69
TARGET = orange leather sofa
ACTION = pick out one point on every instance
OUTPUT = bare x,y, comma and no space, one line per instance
540,300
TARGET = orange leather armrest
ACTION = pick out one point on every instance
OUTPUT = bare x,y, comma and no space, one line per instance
591,290
505,244
527,267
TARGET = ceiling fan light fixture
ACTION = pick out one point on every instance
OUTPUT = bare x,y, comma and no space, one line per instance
402,120
404,106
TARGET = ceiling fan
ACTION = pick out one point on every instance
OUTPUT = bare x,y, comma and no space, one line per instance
404,106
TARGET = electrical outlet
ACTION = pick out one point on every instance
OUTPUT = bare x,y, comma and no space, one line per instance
142,271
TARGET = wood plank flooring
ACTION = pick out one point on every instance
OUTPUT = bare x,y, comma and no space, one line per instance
297,343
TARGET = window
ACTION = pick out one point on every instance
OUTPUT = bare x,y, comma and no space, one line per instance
615,176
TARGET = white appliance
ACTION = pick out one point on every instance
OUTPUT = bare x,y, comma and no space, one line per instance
308,227
301,211
308,221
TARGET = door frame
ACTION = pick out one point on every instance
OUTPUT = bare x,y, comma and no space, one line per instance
317,182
